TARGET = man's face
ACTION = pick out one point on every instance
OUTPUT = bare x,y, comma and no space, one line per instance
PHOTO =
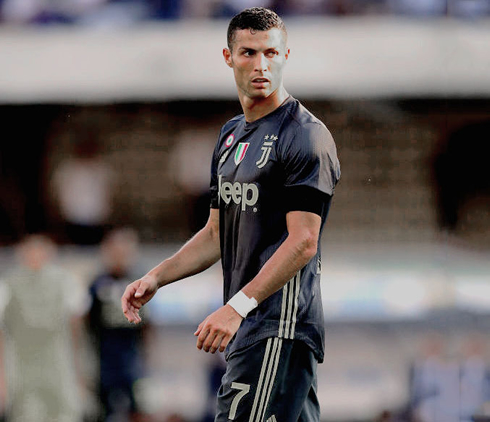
257,59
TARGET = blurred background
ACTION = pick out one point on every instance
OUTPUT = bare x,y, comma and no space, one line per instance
109,112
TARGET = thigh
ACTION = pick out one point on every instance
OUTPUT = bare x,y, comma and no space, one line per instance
273,380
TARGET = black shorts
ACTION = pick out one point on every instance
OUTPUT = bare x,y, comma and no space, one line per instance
273,380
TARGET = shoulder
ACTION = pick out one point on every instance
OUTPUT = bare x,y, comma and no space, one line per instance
305,131
59,274
232,123
304,123
100,280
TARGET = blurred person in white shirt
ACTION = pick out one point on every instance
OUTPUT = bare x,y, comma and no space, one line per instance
41,309
83,188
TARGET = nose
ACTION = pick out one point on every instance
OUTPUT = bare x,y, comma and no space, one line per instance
261,63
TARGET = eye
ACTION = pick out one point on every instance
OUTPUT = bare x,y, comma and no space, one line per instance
248,53
271,53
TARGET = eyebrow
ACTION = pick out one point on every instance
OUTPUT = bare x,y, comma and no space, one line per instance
253,49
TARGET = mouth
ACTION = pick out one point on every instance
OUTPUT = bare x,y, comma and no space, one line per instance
260,82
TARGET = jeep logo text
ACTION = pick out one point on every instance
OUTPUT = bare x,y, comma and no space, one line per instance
242,194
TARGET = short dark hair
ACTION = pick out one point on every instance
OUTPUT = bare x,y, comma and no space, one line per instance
255,18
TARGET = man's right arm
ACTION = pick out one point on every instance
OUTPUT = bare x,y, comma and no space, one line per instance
198,254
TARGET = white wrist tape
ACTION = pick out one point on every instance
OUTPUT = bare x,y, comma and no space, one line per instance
242,304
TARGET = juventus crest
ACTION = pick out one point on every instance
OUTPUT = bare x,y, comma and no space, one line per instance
266,150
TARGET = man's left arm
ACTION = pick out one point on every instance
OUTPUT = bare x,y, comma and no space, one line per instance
216,331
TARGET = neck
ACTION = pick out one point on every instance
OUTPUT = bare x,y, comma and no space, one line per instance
256,108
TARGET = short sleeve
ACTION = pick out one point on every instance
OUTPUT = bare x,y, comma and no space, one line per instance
310,159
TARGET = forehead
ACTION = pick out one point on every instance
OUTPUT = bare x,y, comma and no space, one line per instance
249,38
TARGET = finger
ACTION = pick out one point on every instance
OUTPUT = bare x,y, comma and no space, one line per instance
128,295
224,343
132,313
136,318
127,311
125,299
140,291
202,338
216,343
210,338
199,328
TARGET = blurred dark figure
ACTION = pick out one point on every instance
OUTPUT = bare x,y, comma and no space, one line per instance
120,345
83,188
216,370
40,302
461,171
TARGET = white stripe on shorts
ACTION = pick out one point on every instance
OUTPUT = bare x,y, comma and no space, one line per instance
266,379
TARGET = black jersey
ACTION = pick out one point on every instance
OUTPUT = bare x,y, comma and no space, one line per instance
260,172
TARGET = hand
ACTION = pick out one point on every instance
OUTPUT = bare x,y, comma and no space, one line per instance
216,331
136,295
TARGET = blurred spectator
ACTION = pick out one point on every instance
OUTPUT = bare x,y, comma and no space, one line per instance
168,9
39,301
435,384
305,7
446,390
120,345
117,13
47,11
229,8
83,188
420,8
474,372
469,8
203,9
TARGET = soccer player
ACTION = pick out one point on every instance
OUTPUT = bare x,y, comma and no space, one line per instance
273,175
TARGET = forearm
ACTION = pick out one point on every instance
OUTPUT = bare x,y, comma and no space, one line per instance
278,270
297,250
198,254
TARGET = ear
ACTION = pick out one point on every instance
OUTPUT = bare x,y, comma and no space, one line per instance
287,53
227,57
